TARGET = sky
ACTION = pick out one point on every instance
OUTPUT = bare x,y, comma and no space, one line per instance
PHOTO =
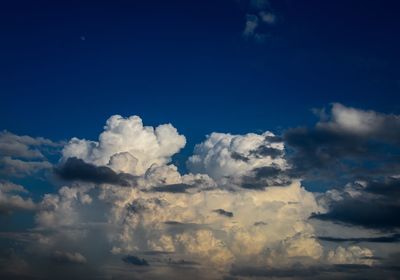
224,139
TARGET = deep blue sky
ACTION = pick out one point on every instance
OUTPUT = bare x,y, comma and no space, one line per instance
186,62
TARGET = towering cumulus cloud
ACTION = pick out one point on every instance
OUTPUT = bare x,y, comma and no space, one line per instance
128,210
128,146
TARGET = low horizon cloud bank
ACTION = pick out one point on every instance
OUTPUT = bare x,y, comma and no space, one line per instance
123,210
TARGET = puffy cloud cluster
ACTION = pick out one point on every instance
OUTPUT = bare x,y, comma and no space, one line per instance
236,208
193,217
225,156
262,226
128,146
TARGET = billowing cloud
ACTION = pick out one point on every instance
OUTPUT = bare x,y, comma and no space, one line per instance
226,157
241,211
128,146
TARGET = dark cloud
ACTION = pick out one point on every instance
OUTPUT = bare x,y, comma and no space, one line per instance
388,269
298,272
182,262
265,176
380,239
224,213
237,156
77,169
388,187
347,142
130,259
376,205
68,257
320,150
373,213
264,151
173,188
349,145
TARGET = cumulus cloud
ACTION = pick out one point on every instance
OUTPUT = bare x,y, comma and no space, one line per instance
240,211
216,226
128,146
225,157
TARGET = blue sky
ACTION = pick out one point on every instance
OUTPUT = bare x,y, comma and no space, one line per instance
187,62
280,157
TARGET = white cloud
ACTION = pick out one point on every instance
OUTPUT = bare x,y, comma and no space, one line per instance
128,146
223,156
361,122
265,224
193,217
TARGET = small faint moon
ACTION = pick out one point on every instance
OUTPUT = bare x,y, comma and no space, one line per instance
83,38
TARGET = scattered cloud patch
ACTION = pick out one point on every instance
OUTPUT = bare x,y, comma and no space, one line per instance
12,199
24,155
67,257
